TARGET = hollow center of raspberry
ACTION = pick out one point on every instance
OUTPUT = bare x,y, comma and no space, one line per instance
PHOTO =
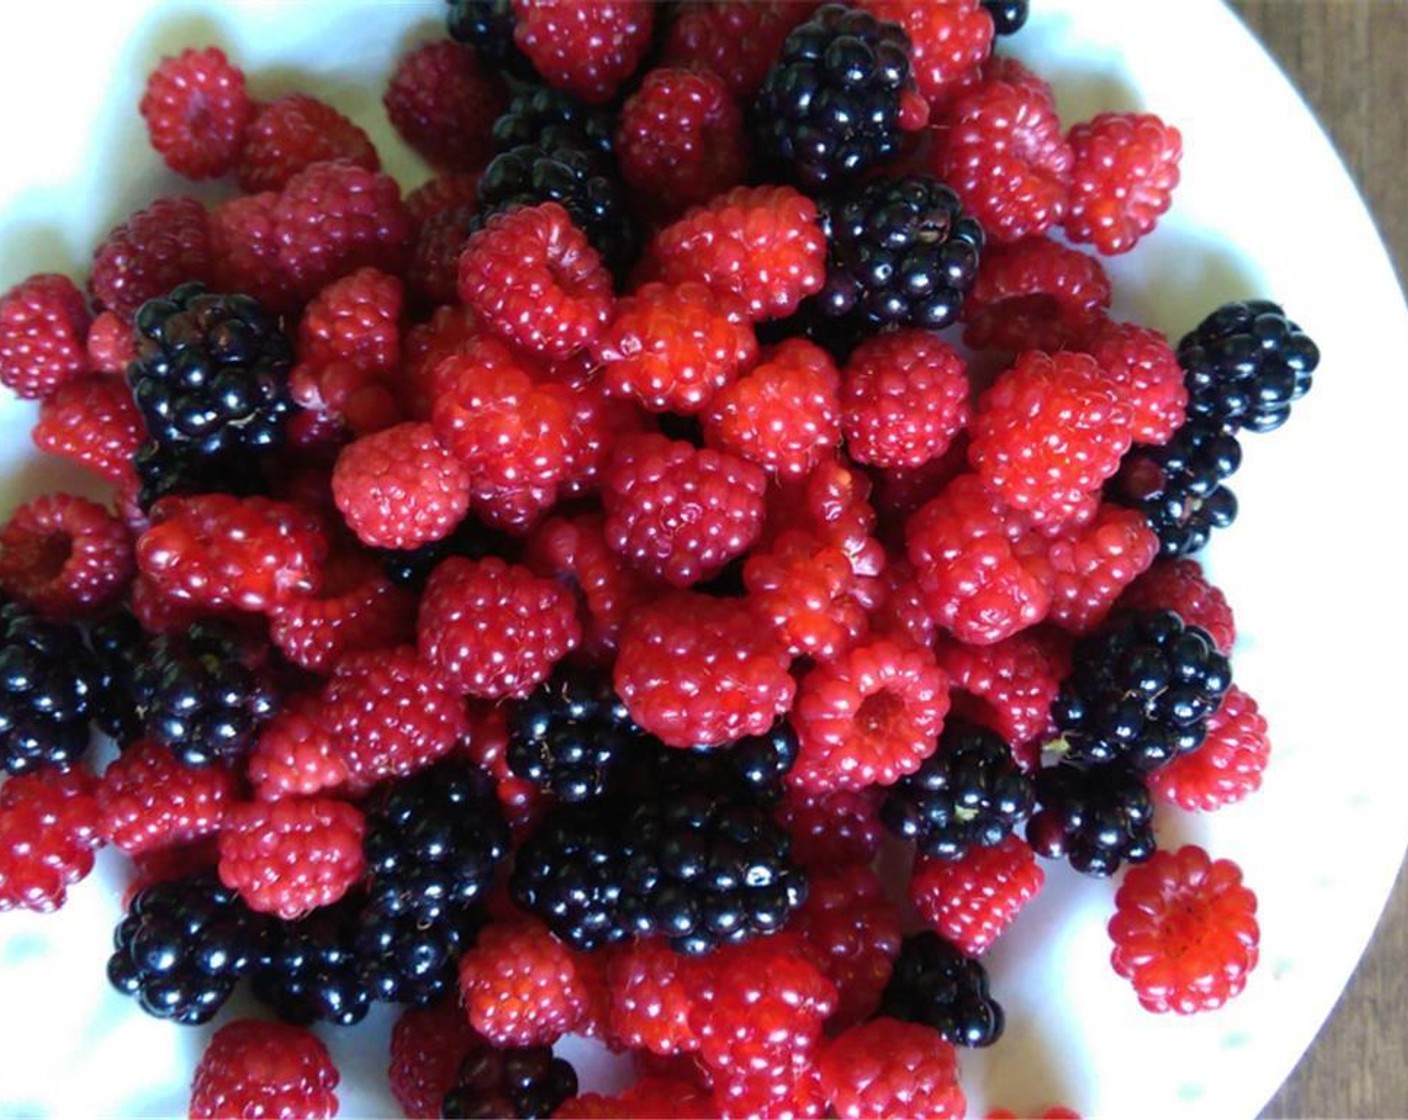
1183,928
882,717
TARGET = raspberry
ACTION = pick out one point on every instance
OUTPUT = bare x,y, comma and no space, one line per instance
1005,68
428,1044
889,1068
761,245
64,555
166,865
356,319
244,248
494,629
587,50
433,272
196,110
1229,764
680,138
1035,294
398,488
256,1068
1003,153
291,856
295,754
1007,686
971,901
1143,364
901,612
1047,433
653,992
738,40
871,716
806,593
962,547
533,279
521,986
750,1098
948,42
423,348
1125,170
1185,931
832,503
1179,585
1055,1112
784,415
110,345
599,423
695,670
291,134
519,799
854,932
150,801
216,551
447,191
443,104
390,715
43,334
831,831
49,825
904,397
673,347
680,513
357,608
650,1098
151,252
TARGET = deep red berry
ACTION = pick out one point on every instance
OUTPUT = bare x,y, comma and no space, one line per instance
355,318
971,901
833,504
164,865
693,669
291,134
197,109
1227,767
295,754
947,43
443,102
150,800
832,831
1143,364
449,190
889,1068
49,825
653,992
257,1068
901,610
110,344
398,488
427,1046
521,986
904,397
1035,294
43,336
1007,687
64,555
487,748
806,592
1126,167
738,40
357,608
434,269
587,50
244,249
854,931
1179,585
151,252
1185,931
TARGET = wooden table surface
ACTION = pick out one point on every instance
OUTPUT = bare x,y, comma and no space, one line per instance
1350,59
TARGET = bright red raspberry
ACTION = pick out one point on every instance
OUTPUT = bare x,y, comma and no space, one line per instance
357,608
761,245
43,335
150,800
1185,931
854,932
1229,764
904,397
1047,433
680,138
1126,167
244,249
948,42
587,50
832,503
494,629
693,670
398,488
1002,151
901,611
152,251
653,991
599,424
295,755
533,278
444,103
64,555
1179,585
427,1046
834,830
890,1068
1141,361
785,415
355,318
1008,686
738,40
256,1068
1035,294
109,343
197,109
521,986
49,825
962,547
805,592
423,347
971,901
680,513
339,400
1005,68
217,551
291,134
796,1097
290,856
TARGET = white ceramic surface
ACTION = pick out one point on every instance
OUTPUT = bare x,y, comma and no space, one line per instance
1312,565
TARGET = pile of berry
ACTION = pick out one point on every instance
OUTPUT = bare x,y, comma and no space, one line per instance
535,598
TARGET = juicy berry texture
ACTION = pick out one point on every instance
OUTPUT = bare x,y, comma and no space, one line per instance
1097,817
523,1081
589,50
947,41
290,134
1141,361
739,40
64,555
196,110
149,254
150,800
50,692
571,735
890,1068
653,991
1122,178
935,984
399,488
93,422
357,608
972,901
43,328
1180,586
1007,686
832,830
295,754
905,397
1229,764
1034,294
254,1068
806,592
427,1046
569,873
443,103
855,931
50,822
521,986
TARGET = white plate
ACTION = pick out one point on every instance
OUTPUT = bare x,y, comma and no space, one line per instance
1311,566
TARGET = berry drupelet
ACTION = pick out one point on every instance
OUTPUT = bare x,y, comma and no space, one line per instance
309,970
408,959
570,872
1097,817
936,985
119,644
751,768
525,1082
571,735
1008,16
49,691
548,118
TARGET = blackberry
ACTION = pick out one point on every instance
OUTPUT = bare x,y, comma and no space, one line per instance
526,1082
752,768
548,118
829,109
571,735
970,793
119,644
487,26
935,984
569,873
1179,487
310,970
164,469
704,870
49,691
1097,817
183,946
1140,691
1244,365
1008,16
199,693
900,252
407,958
411,567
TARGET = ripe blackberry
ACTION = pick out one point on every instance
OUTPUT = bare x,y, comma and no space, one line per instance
830,107
899,252
1097,818
550,119
704,870
49,691
487,26
526,1082
970,793
569,873
1008,16
407,958
183,946
119,643
1140,692
752,768
164,469
936,985
310,971
1244,365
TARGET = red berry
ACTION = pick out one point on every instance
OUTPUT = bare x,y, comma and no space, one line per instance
971,901
244,248
696,670
587,50
834,830
833,504
947,43
1007,687
854,932
257,1068
738,40
449,190
1126,167
152,251
1035,294
805,591
197,109
164,865
428,1044
650,1098
762,1098
521,986
888,1068
487,748
1185,931
150,800
1143,364
901,611
653,992
1055,1112
43,335
64,555
399,489
49,825
443,102
291,134
1180,586
296,754
1227,767
110,345
904,397
357,319
434,269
